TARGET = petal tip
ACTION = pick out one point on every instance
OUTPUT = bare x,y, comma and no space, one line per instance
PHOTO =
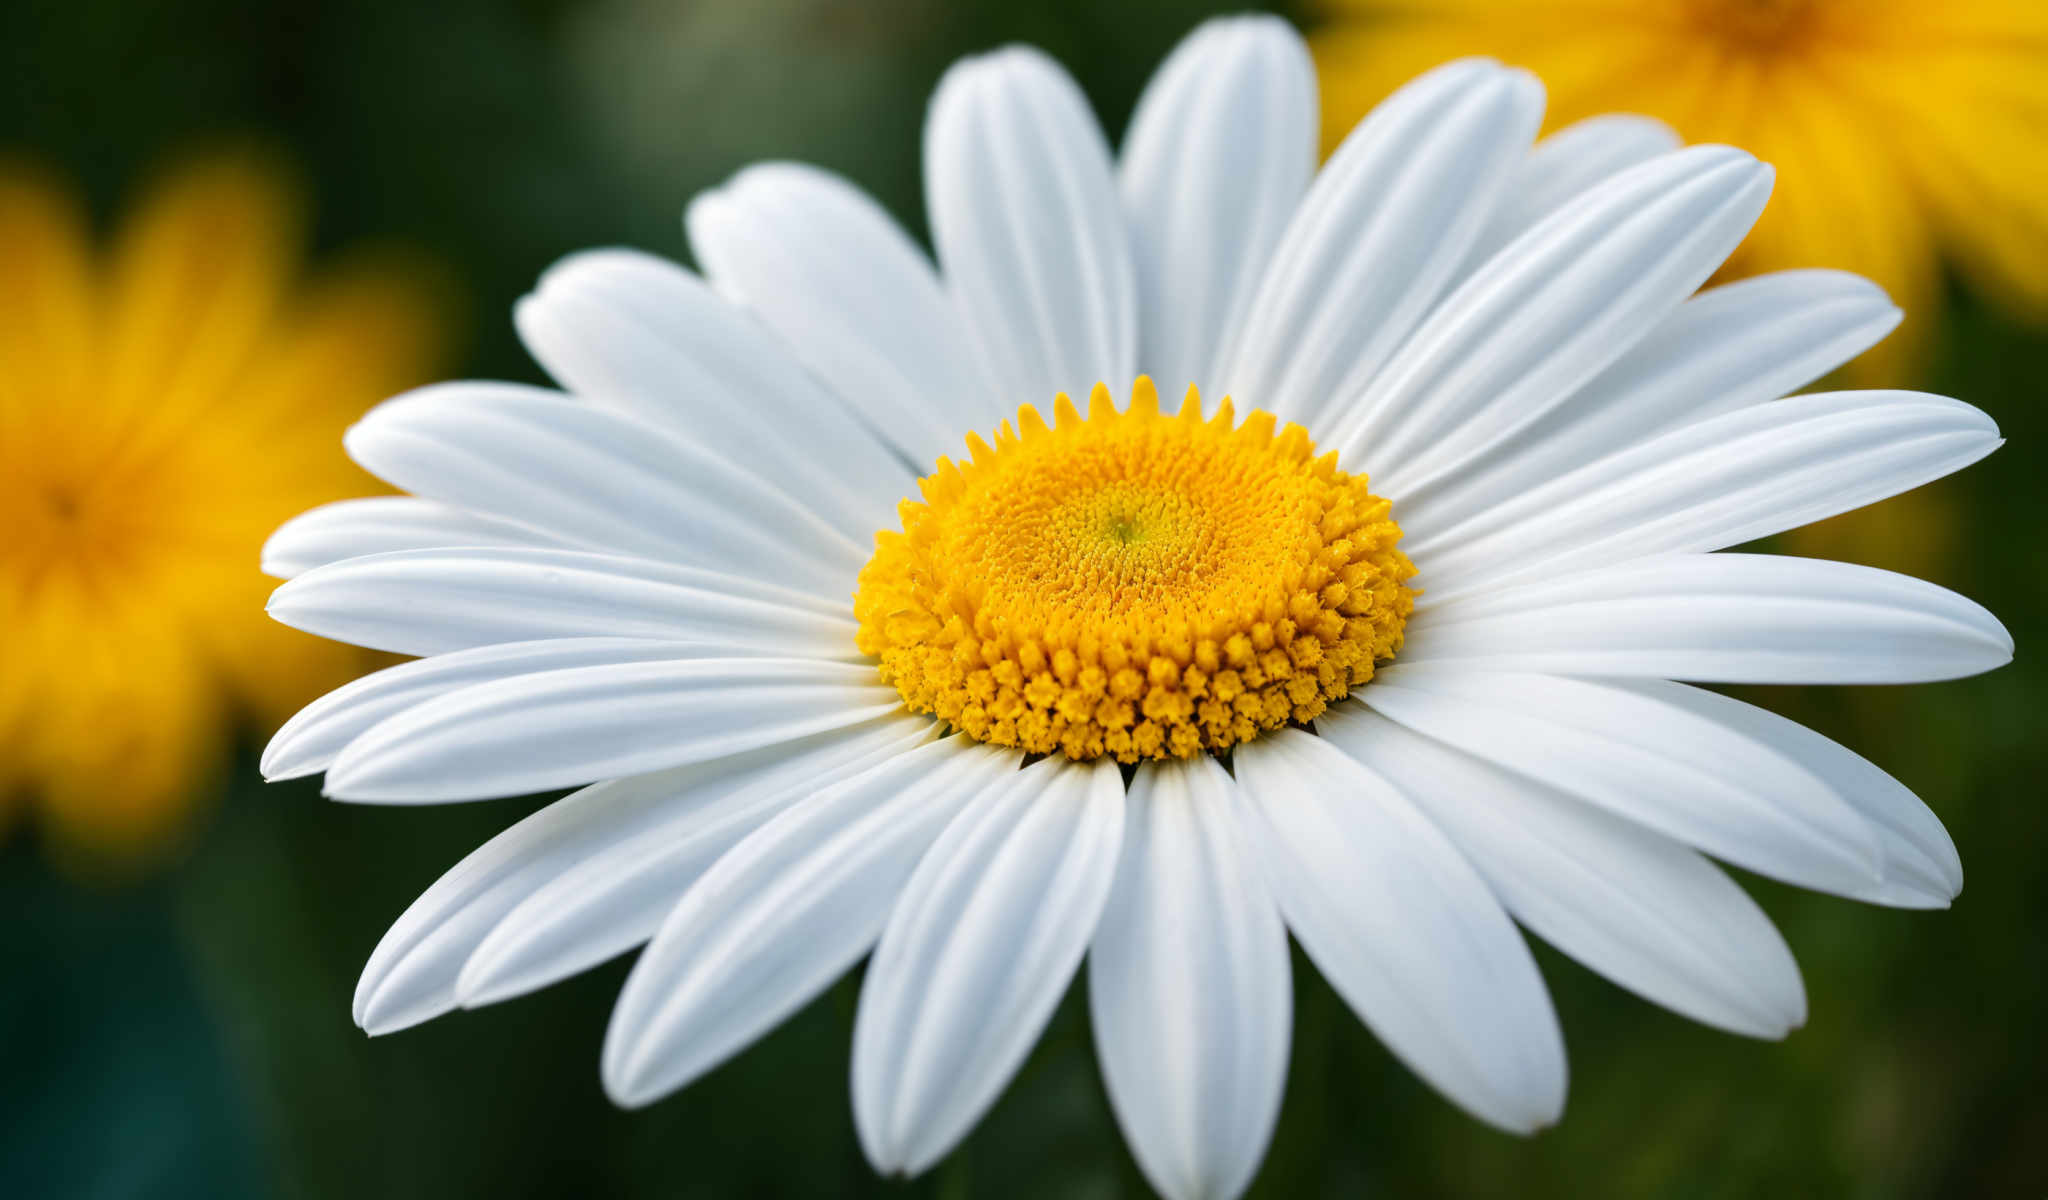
378,1016
281,767
626,1079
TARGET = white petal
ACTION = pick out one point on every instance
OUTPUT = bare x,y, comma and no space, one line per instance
1404,929
599,479
1219,151
435,601
1653,762
976,954
1727,348
854,299
1189,988
1922,869
641,334
614,898
1378,237
783,914
1714,483
562,728
1029,230
378,525
307,743
1633,905
1562,166
412,975
1545,315
1719,618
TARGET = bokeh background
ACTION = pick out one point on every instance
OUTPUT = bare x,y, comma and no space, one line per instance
183,1028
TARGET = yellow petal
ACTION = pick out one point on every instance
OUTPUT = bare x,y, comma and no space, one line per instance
1969,119
1841,202
1898,128
197,277
123,732
367,329
370,329
46,297
1593,56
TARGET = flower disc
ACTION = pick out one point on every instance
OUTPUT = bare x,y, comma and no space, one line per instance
1135,584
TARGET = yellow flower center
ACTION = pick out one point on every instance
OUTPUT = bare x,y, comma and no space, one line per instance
1134,584
88,516
1763,28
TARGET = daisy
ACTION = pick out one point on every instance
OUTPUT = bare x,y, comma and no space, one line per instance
1377,653
163,405
1901,130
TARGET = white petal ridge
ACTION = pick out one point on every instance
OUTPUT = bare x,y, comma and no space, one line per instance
783,914
1729,347
600,479
1549,312
1219,151
308,742
642,335
561,728
1028,226
1189,987
1714,483
436,601
1562,166
613,899
348,529
1648,759
1637,907
1921,867
1377,238
1719,618
416,971
978,949
854,300
1404,929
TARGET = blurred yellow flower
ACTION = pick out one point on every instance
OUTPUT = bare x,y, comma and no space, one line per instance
162,407
1900,128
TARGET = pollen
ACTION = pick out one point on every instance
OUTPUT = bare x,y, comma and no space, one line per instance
1134,584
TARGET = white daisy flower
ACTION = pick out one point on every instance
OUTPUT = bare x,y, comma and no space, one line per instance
1250,692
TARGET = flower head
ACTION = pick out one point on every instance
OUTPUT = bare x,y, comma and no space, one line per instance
1375,646
1134,584
162,406
1900,130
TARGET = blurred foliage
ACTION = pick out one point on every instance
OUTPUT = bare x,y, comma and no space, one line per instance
192,1036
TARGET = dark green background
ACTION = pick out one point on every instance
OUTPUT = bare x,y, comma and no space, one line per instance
190,1034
